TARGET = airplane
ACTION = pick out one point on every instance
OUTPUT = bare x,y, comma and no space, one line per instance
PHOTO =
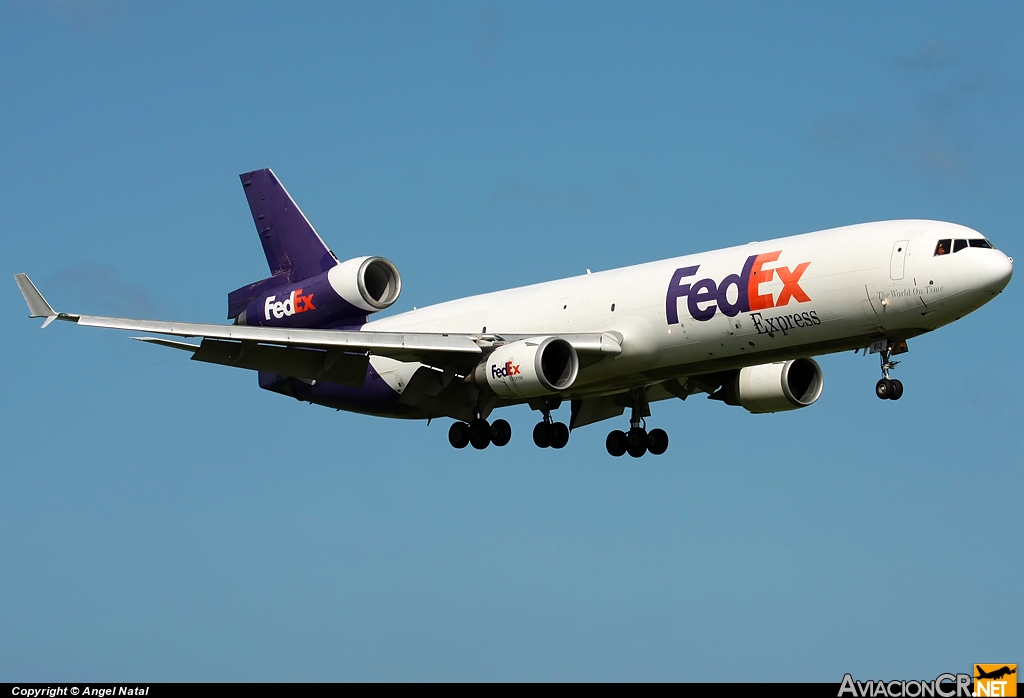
741,325
996,674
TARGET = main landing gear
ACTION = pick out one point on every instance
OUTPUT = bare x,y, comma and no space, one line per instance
480,433
888,388
637,441
549,433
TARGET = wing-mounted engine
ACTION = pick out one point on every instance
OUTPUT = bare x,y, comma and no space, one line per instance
529,368
777,387
341,296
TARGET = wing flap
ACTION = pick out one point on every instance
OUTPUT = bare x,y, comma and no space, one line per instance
306,364
184,346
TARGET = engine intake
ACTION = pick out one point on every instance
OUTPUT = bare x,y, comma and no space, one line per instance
529,368
777,387
368,283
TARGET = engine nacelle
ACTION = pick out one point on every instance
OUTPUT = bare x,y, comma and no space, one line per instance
345,293
529,368
786,385
368,283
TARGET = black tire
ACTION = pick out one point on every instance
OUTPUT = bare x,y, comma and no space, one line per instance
883,389
657,441
559,435
636,442
542,434
480,434
616,443
897,390
458,435
501,432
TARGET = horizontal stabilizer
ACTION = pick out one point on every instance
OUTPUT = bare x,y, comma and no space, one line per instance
240,297
37,305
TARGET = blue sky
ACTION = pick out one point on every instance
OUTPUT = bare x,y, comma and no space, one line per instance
161,520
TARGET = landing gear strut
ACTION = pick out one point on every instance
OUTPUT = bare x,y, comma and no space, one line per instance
888,388
637,441
550,433
479,433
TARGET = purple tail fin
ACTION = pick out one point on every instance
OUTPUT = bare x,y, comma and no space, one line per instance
291,244
294,249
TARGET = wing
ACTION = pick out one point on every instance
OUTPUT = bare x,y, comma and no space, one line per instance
330,355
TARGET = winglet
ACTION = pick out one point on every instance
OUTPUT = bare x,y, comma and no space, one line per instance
37,305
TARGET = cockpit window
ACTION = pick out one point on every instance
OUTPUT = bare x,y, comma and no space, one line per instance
948,246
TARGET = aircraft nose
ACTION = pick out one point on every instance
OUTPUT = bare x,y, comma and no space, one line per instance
998,270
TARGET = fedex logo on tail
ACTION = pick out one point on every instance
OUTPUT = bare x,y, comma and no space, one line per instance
509,369
294,303
705,297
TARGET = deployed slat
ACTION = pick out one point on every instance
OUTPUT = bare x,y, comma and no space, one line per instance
589,343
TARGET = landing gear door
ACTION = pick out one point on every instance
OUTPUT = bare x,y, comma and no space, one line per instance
899,260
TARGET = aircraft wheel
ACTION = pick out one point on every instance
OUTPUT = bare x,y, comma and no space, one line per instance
479,434
501,432
559,435
542,434
658,441
458,435
636,442
897,390
616,443
884,389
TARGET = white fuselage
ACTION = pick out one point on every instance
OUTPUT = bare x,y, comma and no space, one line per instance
822,292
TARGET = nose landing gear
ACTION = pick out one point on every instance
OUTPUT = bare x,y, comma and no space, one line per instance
637,441
888,388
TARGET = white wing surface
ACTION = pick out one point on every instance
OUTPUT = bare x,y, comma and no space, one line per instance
315,354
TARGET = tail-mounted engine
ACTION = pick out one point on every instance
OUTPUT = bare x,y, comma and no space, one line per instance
343,295
529,368
367,283
786,385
